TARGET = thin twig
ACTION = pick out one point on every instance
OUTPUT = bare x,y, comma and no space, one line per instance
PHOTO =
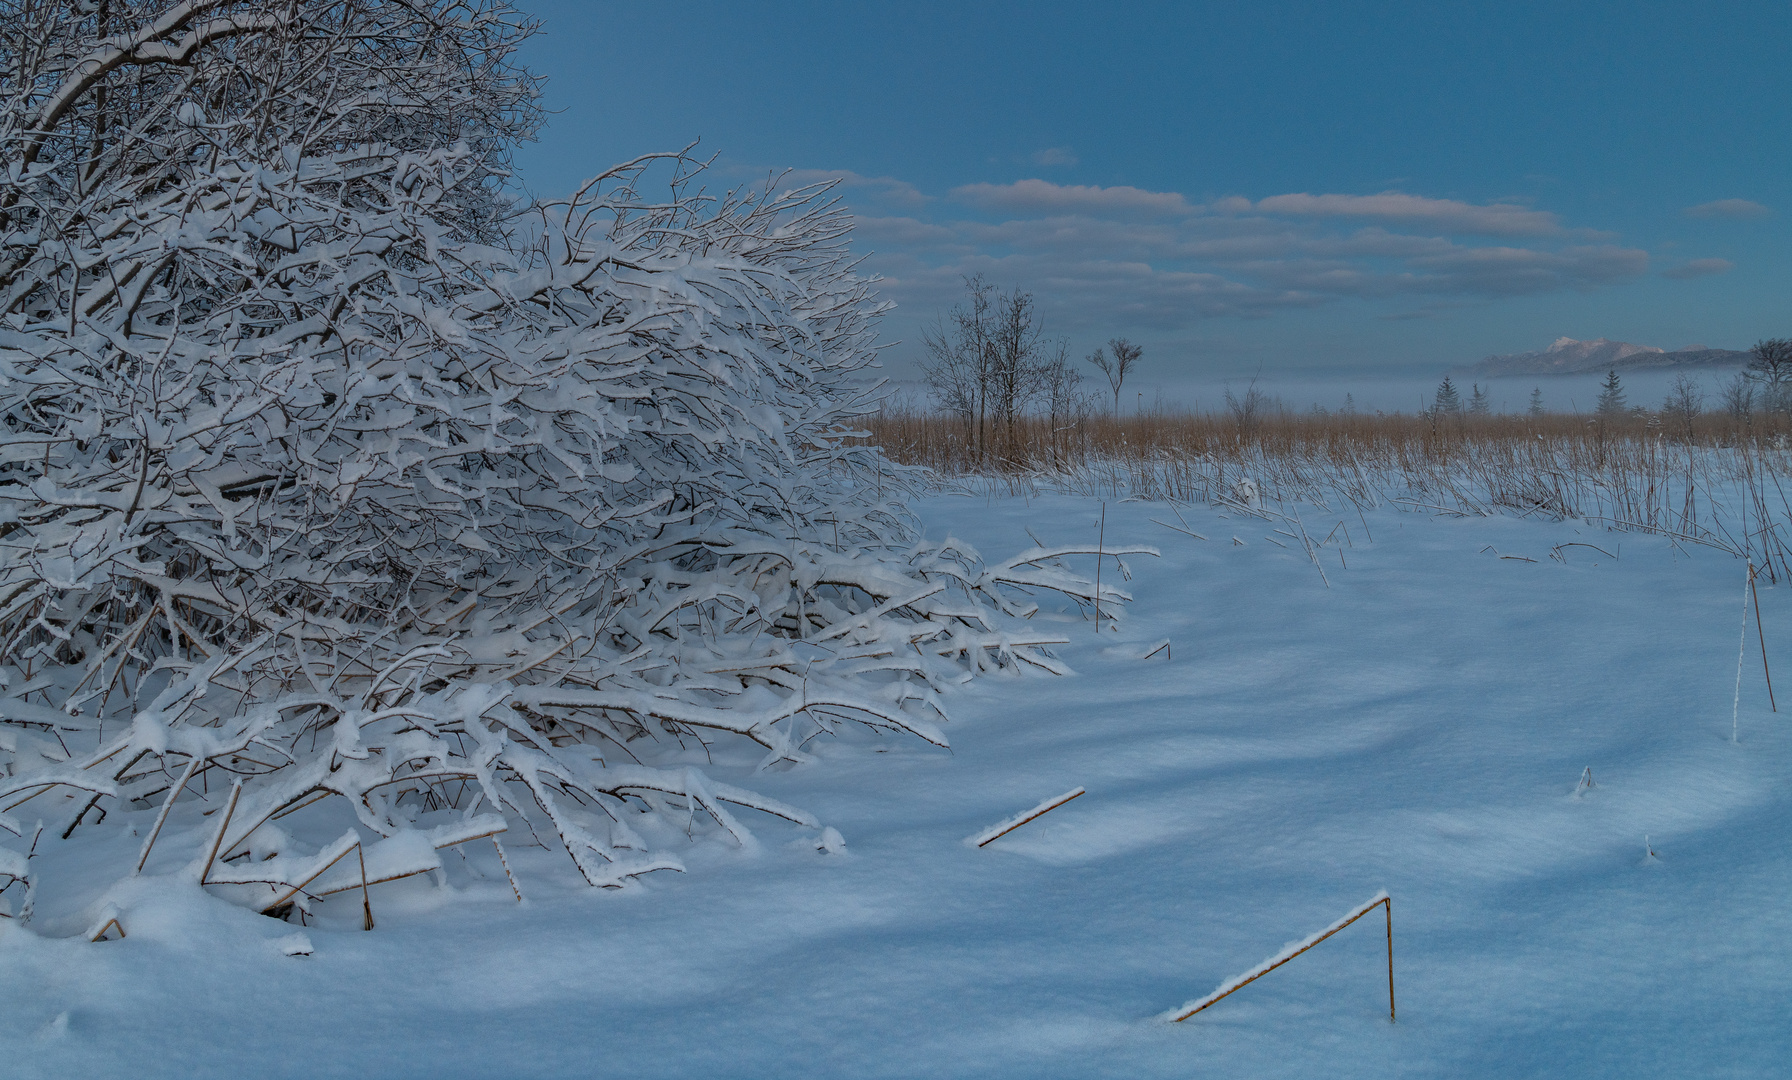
236,792
167,805
1232,985
1741,647
986,837
110,924
366,904
1101,540
1763,636
505,863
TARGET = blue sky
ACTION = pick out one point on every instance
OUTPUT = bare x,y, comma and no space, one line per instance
1327,188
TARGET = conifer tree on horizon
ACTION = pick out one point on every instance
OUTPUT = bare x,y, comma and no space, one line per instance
1448,401
1611,396
1536,408
1478,404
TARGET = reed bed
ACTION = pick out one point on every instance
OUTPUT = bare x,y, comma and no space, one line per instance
1713,480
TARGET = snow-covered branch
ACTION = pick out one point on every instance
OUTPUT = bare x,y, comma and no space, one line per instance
314,483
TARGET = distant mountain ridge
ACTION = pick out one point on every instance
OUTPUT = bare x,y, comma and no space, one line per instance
1570,357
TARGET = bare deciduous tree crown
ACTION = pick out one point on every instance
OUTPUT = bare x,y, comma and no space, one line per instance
989,360
1770,364
1116,364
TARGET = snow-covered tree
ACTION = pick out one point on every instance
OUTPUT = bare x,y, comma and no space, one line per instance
1536,407
330,478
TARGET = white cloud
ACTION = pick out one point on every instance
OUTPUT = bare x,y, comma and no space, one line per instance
1094,293
1728,208
1099,257
1272,240
885,188
1503,271
1087,237
1444,215
1426,311
1699,268
1045,197
1056,155
1089,273
905,231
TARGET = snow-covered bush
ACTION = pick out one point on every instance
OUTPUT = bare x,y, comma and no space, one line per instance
327,475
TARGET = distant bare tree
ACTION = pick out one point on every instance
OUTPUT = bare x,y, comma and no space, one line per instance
959,351
1060,384
1739,396
1014,366
1124,356
1771,366
1247,409
1685,401
984,360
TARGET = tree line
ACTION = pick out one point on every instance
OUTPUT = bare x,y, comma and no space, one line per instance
989,362
1764,386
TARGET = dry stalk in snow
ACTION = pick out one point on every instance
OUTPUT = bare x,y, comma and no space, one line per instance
1294,949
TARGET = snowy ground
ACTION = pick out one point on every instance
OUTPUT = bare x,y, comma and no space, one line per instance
1418,726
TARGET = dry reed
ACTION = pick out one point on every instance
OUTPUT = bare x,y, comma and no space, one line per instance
1238,982
996,832
1719,481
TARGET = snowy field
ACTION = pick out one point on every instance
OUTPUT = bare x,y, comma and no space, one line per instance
1419,726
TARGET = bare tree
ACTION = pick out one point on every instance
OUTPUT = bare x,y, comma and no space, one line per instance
959,352
1771,366
1739,396
1060,385
1014,365
1685,401
1116,367
984,360
1247,409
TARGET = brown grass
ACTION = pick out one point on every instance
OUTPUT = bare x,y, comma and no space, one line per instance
1719,481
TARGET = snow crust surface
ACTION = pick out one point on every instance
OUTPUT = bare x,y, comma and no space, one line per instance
1422,725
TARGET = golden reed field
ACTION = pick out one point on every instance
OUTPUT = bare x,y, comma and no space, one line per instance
1715,479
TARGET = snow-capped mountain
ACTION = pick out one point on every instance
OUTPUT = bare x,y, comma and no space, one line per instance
1566,356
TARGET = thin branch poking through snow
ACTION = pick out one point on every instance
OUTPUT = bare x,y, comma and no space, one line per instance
1003,828
1294,949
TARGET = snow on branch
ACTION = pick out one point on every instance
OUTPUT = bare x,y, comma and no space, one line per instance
327,473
